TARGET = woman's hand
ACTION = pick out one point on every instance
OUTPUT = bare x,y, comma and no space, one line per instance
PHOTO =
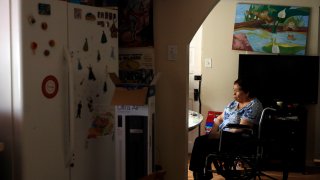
215,133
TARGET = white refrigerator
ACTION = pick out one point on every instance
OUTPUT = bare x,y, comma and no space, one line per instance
56,118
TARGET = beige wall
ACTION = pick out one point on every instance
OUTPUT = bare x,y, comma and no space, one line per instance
175,23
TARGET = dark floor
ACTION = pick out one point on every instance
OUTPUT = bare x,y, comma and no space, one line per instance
311,174
275,174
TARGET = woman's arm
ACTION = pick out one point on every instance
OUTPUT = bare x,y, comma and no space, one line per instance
246,122
242,122
214,133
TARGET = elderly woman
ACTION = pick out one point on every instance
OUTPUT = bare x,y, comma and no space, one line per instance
245,109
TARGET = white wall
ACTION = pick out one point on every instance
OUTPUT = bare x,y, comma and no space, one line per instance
217,44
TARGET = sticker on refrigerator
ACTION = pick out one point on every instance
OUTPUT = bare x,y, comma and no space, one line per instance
101,23
114,30
33,47
85,46
102,125
31,20
91,75
100,14
77,13
79,108
44,9
44,26
79,65
103,38
50,86
90,104
105,87
90,17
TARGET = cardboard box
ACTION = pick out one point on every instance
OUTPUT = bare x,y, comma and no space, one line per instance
131,93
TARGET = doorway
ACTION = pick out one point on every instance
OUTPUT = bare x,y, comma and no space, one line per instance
195,51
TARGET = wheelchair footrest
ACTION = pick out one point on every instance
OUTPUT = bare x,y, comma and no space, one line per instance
232,167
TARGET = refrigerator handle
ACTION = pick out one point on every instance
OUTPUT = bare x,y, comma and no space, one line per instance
69,125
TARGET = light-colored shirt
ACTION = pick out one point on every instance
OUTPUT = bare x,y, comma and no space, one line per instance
233,115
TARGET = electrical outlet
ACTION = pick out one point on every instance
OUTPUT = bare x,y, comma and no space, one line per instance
208,62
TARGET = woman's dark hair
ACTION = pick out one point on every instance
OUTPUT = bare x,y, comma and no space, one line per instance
246,86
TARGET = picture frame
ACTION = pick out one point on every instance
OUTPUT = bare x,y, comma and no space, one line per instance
271,29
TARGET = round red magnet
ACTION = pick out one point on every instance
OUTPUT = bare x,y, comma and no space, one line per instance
52,43
46,52
50,86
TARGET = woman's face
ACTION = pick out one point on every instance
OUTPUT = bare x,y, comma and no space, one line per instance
238,94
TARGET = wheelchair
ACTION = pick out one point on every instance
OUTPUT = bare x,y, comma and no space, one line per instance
240,158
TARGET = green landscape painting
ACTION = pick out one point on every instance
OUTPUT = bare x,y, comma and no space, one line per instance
271,29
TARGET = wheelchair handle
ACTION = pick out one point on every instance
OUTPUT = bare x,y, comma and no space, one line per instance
261,118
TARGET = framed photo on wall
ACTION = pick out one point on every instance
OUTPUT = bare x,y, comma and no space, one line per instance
135,23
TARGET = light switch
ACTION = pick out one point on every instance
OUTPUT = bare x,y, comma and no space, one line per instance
172,52
208,62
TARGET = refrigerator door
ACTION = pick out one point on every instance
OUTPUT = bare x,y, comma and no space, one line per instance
93,47
40,77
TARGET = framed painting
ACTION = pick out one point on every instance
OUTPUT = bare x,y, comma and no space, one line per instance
136,23
271,29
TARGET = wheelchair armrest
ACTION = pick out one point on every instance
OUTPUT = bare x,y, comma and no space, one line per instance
244,133
237,126
244,129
